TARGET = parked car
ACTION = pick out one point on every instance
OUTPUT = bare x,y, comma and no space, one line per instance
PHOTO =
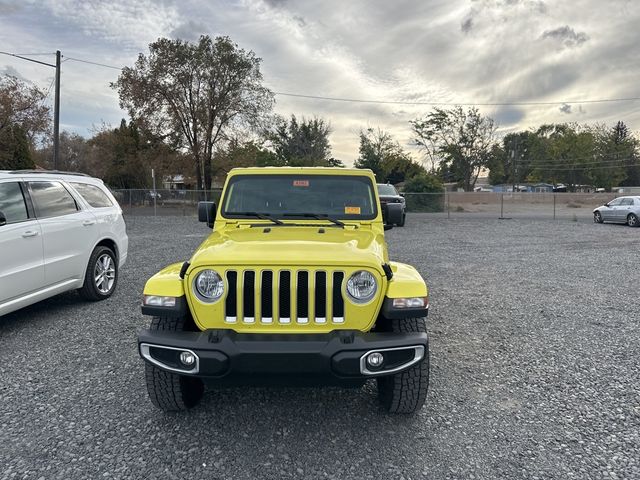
294,284
153,195
58,232
619,210
389,194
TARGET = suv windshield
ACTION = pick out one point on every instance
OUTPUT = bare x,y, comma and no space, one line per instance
288,196
387,190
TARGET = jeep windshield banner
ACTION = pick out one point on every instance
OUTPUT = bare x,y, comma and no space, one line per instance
285,196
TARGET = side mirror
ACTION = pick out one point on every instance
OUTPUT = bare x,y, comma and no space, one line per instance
207,213
3,219
606,204
402,195
393,214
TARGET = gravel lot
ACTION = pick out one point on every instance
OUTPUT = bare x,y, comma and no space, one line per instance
535,343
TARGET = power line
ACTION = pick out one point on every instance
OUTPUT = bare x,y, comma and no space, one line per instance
35,54
93,63
405,102
450,104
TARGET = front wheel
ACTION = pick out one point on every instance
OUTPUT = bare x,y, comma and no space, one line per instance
632,220
597,217
404,216
101,276
406,392
169,391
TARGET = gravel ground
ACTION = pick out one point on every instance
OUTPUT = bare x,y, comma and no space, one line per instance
535,344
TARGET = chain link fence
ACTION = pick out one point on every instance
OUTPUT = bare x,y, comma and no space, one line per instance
562,206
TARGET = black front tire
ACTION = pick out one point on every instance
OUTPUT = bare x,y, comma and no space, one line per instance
172,392
91,290
404,217
632,220
406,392
597,217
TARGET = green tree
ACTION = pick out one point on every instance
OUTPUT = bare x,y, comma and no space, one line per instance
383,155
121,153
195,93
15,152
625,148
461,139
424,193
375,146
303,143
243,154
606,167
498,165
570,150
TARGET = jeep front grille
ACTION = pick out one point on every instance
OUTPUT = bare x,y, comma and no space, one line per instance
284,297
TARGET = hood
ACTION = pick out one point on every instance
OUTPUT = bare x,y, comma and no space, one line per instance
273,245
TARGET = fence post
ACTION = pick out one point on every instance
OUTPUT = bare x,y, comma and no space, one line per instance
502,205
448,195
554,206
129,200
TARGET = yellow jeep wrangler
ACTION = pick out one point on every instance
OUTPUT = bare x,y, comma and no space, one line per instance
293,285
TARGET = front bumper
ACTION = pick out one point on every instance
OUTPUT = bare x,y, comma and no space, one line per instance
332,357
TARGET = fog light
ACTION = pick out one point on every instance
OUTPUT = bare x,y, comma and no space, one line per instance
375,359
187,358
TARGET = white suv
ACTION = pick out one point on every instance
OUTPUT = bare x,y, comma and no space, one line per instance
58,231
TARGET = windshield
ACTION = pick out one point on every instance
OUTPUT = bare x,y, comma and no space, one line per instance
387,190
283,196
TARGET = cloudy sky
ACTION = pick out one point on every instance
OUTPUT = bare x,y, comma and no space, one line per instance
451,51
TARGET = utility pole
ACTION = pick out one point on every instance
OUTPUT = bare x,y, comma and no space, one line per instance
56,104
513,166
56,115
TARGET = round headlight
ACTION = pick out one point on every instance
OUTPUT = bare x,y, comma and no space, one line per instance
209,285
361,286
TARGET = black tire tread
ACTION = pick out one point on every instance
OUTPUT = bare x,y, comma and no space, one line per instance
168,391
406,392
88,291
629,220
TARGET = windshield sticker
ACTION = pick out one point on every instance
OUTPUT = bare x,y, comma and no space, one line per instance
301,183
352,210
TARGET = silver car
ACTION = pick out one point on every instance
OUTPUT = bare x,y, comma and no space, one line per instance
619,210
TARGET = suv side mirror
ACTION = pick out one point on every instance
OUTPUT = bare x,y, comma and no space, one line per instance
3,219
392,214
207,212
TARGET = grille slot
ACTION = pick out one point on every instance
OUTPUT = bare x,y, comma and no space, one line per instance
321,297
338,301
284,297
248,297
266,297
230,305
302,301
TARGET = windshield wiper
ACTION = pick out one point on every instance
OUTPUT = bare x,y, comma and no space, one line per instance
261,216
317,216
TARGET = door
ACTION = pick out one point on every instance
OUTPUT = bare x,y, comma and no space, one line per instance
624,209
21,247
69,233
609,213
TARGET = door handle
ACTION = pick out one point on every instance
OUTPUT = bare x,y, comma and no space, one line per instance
29,233
88,223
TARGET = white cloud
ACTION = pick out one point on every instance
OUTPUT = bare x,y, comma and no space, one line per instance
407,50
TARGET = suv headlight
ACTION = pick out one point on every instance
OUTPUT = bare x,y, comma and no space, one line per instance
209,285
361,286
